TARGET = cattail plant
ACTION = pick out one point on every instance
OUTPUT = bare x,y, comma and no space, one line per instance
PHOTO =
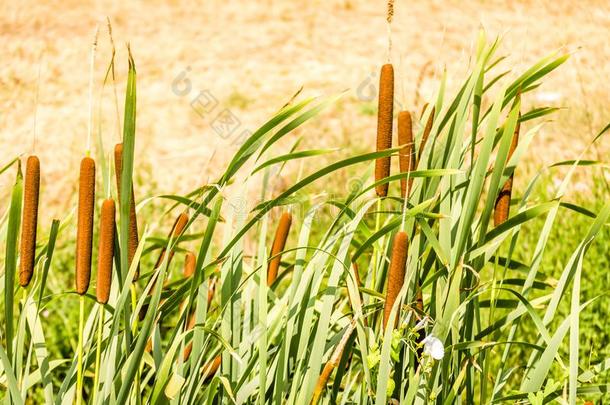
396,275
427,130
406,157
104,274
84,240
132,244
502,206
190,261
279,242
30,220
106,250
384,126
176,231
332,363
191,324
84,232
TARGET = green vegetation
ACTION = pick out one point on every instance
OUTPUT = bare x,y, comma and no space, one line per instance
506,313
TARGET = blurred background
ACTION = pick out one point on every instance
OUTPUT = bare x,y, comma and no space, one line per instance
211,72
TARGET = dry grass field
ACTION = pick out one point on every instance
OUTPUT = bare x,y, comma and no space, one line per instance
245,60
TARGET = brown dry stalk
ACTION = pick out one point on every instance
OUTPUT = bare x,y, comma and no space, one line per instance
30,220
132,244
396,275
332,363
106,250
84,232
426,134
175,232
406,157
279,242
384,126
502,207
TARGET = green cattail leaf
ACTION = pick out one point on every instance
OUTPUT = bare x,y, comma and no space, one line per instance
10,264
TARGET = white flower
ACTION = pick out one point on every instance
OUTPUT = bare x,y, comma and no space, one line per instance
433,347
422,323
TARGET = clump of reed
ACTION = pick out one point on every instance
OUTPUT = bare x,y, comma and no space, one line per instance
396,274
29,220
279,243
132,244
384,126
502,205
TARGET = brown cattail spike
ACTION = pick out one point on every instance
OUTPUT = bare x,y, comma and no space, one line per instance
406,158
132,244
332,363
84,232
190,261
177,229
384,126
30,220
279,242
396,275
210,368
106,250
502,207
426,134
191,324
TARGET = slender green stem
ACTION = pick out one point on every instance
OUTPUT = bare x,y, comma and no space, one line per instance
79,370
134,304
98,353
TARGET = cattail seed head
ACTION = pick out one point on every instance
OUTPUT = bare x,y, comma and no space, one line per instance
279,242
84,232
190,261
384,126
427,130
210,368
502,206
132,244
30,220
406,157
106,250
396,275
176,231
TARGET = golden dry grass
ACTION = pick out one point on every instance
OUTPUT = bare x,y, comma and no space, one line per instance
252,55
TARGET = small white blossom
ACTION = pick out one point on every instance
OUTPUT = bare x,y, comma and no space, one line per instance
433,347
422,323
